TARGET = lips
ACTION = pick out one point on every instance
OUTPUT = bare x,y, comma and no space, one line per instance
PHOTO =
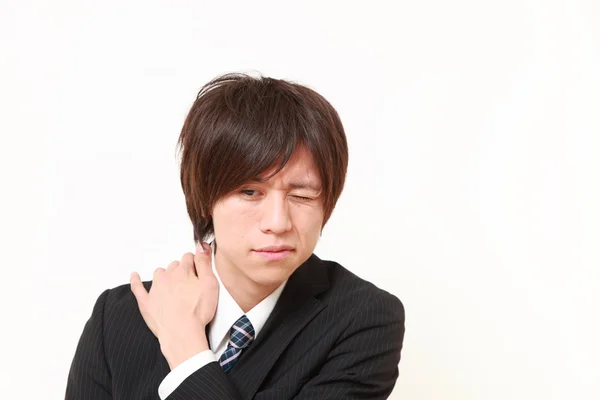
274,255
275,249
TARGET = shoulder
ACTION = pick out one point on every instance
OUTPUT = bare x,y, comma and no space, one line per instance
121,297
121,314
365,315
123,329
350,292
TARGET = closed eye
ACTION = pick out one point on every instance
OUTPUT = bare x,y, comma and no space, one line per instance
253,193
301,198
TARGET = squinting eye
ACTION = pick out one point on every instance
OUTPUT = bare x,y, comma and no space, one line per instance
245,191
303,198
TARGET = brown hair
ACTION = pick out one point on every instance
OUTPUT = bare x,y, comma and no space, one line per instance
241,126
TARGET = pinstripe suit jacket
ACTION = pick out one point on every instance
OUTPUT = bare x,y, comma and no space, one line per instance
332,335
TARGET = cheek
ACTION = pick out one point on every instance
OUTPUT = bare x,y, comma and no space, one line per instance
309,223
233,220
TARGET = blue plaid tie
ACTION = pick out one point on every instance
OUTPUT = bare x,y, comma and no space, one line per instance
240,337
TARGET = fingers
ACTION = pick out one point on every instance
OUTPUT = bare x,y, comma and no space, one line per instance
198,264
172,266
203,259
158,272
138,289
187,263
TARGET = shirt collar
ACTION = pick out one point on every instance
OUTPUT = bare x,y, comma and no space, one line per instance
228,311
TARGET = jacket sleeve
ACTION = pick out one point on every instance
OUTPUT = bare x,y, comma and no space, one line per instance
209,382
89,377
364,363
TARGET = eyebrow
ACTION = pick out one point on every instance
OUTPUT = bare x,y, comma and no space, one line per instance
303,184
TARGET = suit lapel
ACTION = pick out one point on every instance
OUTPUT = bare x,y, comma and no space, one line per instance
296,307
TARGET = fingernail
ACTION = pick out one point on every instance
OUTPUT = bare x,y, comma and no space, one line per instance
200,248
206,247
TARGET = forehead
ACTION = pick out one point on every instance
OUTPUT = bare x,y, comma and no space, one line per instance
300,168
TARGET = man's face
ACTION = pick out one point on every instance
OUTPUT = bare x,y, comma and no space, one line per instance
286,210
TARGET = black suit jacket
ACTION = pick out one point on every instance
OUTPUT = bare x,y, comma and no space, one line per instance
331,335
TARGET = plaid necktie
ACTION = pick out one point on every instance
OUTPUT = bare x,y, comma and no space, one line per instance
240,337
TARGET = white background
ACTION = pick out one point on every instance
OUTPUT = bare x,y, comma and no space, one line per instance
472,193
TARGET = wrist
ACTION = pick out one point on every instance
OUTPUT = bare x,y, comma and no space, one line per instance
179,349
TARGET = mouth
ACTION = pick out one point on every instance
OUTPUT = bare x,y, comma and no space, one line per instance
275,248
274,253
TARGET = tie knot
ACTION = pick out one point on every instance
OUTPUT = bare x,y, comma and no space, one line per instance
242,333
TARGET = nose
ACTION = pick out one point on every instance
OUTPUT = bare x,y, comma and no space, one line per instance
275,217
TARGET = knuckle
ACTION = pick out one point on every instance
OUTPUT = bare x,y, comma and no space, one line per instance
187,258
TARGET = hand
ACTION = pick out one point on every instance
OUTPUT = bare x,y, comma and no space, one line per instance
181,302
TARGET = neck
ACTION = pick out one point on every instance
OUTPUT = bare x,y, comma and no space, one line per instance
246,293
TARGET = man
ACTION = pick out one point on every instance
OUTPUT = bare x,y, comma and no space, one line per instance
255,315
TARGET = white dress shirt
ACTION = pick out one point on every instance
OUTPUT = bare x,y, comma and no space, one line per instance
228,312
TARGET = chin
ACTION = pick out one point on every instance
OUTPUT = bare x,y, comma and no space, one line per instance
272,274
